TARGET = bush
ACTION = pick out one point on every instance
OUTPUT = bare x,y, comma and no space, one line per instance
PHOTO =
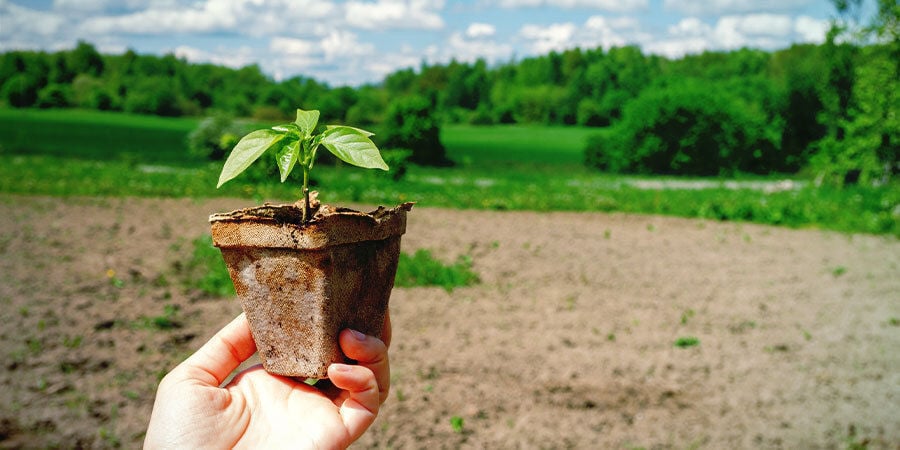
214,137
54,96
412,124
685,128
21,90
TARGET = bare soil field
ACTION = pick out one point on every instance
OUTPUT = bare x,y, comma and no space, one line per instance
568,341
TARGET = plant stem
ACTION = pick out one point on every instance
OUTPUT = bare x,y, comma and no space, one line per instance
305,194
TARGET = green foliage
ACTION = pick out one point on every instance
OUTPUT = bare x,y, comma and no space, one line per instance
687,341
214,137
53,152
422,269
298,142
685,128
412,124
206,271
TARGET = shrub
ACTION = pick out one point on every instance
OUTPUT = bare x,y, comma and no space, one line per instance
214,137
685,128
412,124
21,90
54,96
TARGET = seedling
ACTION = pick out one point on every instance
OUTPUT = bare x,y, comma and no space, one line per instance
687,341
298,142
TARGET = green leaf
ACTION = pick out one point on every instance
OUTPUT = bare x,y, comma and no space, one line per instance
286,158
249,149
364,132
307,121
352,146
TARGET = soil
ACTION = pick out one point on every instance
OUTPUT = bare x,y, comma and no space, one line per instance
567,341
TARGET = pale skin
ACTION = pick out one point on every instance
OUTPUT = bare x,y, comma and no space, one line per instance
259,410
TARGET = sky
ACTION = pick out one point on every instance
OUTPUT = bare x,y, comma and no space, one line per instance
360,41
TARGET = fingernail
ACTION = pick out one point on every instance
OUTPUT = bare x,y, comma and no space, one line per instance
359,336
342,367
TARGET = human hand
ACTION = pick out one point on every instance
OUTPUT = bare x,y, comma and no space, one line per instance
260,410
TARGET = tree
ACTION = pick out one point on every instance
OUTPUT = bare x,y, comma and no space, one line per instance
411,124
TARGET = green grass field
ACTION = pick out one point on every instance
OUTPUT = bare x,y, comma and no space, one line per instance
502,168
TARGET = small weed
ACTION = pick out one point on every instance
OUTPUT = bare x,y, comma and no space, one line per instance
838,271
422,269
894,321
206,270
687,341
165,321
650,227
23,311
72,342
781,348
607,233
686,316
611,337
806,335
457,423
35,346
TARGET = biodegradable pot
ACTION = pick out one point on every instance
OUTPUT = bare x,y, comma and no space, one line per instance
300,284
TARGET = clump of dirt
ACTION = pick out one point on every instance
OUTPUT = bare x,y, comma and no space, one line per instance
568,341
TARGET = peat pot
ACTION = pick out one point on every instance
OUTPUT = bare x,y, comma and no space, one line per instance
300,284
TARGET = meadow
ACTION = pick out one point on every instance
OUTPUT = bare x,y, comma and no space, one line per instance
86,153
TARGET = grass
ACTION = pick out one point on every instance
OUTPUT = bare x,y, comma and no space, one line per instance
687,342
206,272
65,153
423,269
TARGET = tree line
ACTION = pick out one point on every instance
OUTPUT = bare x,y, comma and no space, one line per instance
832,107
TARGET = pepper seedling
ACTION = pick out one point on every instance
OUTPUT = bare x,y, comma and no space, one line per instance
296,143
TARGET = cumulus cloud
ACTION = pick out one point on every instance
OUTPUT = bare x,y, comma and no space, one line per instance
480,30
767,31
229,57
707,7
597,31
811,30
387,14
554,37
605,5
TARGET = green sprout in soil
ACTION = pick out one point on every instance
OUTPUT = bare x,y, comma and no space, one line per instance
687,341
297,143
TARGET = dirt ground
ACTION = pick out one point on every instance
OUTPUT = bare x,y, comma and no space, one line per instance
568,341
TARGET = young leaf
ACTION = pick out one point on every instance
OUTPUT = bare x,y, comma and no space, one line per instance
307,121
286,156
249,149
364,132
352,146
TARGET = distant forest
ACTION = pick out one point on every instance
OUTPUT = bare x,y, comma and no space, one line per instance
837,101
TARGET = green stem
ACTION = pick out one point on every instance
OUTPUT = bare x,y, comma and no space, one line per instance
305,194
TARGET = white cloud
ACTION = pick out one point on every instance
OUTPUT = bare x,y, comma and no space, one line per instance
597,31
392,14
690,27
766,31
605,5
292,47
466,50
18,21
344,44
229,57
811,30
710,7
544,39
480,30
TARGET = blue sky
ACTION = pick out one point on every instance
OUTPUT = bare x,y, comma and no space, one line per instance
358,41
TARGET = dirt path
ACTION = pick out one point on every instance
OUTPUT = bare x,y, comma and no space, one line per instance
567,342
